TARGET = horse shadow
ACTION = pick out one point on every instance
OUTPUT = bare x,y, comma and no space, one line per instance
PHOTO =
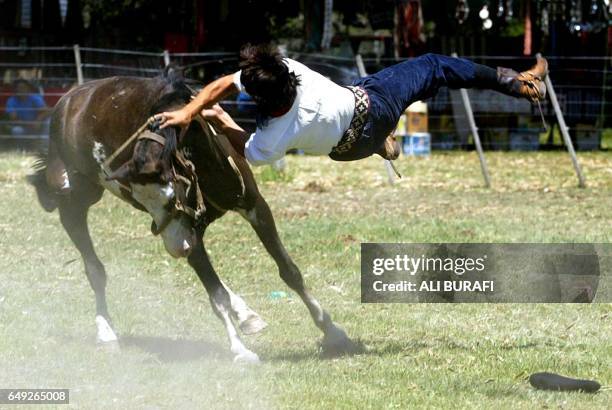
167,350
379,347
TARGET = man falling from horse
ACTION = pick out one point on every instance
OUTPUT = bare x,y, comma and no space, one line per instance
298,108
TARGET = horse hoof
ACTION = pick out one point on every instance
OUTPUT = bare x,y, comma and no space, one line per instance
105,334
253,324
336,343
247,357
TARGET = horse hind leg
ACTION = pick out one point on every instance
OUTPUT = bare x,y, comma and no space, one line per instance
335,340
73,211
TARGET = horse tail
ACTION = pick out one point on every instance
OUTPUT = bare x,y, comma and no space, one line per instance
46,197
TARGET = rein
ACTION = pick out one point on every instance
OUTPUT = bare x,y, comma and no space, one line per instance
143,127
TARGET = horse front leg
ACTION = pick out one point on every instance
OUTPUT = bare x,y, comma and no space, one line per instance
248,320
220,300
335,340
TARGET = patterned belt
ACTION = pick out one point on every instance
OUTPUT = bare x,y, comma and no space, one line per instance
353,133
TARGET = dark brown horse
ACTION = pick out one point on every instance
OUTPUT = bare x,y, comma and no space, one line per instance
155,173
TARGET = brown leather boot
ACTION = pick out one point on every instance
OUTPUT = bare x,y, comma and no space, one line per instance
528,84
390,149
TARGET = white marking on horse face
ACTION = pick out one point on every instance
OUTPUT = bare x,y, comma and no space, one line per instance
178,237
105,331
154,197
98,152
168,191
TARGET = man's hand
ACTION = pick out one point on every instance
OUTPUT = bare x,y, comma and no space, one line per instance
224,124
219,118
181,118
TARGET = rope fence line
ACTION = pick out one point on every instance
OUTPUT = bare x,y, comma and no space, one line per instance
203,54
17,65
222,56
124,68
292,52
125,52
25,49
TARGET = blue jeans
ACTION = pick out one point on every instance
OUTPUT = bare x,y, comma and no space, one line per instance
393,89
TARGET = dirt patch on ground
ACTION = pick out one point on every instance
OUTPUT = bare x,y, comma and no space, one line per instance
315,187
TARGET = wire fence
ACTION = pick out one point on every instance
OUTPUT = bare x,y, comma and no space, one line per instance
583,86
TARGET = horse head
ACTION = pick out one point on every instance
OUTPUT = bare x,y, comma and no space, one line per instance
170,197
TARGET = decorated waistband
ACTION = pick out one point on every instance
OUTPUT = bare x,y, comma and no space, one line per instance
354,131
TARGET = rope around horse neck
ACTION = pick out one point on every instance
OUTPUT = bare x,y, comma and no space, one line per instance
143,127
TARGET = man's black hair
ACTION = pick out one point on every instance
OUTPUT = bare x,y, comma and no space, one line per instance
267,80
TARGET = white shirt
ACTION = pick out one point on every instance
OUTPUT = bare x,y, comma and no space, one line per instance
321,113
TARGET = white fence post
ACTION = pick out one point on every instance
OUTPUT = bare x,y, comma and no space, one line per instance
166,58
564,129
470,116
77,63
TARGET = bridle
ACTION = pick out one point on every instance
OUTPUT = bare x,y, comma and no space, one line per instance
188,198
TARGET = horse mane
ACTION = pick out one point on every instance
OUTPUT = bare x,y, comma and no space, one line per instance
181,88
178,94
173,73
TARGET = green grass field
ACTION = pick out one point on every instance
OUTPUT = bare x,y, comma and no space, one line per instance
174,352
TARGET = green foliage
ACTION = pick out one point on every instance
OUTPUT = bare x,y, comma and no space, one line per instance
270,174
289,28
513,28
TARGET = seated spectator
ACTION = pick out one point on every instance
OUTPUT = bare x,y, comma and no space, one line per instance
27,109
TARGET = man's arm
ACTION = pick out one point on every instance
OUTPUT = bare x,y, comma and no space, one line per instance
227,126
211,94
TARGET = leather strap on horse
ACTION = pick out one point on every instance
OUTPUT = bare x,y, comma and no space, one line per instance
153,137
189,182
189,168
209,129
